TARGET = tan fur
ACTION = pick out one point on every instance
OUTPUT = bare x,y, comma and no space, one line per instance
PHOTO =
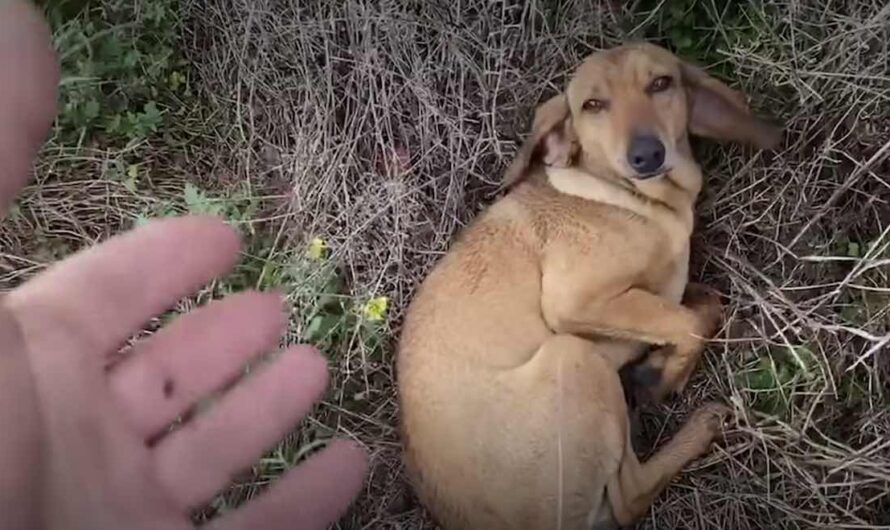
513,414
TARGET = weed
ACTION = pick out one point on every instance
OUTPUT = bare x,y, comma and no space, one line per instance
701,30
310,278
119,68
772,379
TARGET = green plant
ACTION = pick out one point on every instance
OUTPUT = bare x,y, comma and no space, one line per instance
771,379
119,67
700,30
331,317
334,317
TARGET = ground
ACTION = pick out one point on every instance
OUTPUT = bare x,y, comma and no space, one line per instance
350,141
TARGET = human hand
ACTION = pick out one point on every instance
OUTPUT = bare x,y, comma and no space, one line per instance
80,444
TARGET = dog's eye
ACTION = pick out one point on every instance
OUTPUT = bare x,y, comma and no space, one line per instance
595,105
660,84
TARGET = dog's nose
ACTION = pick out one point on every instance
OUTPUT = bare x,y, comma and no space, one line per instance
646,154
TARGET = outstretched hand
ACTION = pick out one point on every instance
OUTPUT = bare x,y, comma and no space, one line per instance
81,445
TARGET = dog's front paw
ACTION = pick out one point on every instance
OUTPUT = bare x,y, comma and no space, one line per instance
706,424
705,302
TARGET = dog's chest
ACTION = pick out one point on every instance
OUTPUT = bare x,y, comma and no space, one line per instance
676,276
673,226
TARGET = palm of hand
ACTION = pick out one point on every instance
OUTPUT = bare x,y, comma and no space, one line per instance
81,444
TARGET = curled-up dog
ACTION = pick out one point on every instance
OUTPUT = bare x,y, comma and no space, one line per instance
513,413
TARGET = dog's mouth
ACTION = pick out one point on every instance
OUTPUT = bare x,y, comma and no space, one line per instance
654,174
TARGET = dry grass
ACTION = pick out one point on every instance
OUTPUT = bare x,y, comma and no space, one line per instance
382,127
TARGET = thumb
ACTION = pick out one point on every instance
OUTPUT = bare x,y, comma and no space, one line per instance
28,92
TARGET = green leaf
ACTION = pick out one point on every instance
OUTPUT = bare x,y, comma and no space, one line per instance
322,326
130,184
151,111
763,377
15,211
677,10
91,110
131,59
194,198
852,314
141,220
113,125
676,35
805,362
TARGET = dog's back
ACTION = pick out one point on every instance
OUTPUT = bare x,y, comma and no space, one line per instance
467,361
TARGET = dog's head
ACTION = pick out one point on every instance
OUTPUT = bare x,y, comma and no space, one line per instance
630,110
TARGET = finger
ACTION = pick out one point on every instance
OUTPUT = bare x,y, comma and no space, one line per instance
27,92
310,497
200,458
20,487
195,355
96,299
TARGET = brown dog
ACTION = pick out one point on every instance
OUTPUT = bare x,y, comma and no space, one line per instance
513,414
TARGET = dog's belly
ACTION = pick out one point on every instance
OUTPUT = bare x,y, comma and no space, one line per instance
531,447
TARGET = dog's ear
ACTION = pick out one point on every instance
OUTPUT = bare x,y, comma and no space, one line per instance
721,113
552,141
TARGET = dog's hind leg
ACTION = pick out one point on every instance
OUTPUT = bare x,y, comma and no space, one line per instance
633,489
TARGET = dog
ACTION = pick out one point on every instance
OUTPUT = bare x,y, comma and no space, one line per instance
513,415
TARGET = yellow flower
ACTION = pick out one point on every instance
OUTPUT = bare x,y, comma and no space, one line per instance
318,249
375,308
